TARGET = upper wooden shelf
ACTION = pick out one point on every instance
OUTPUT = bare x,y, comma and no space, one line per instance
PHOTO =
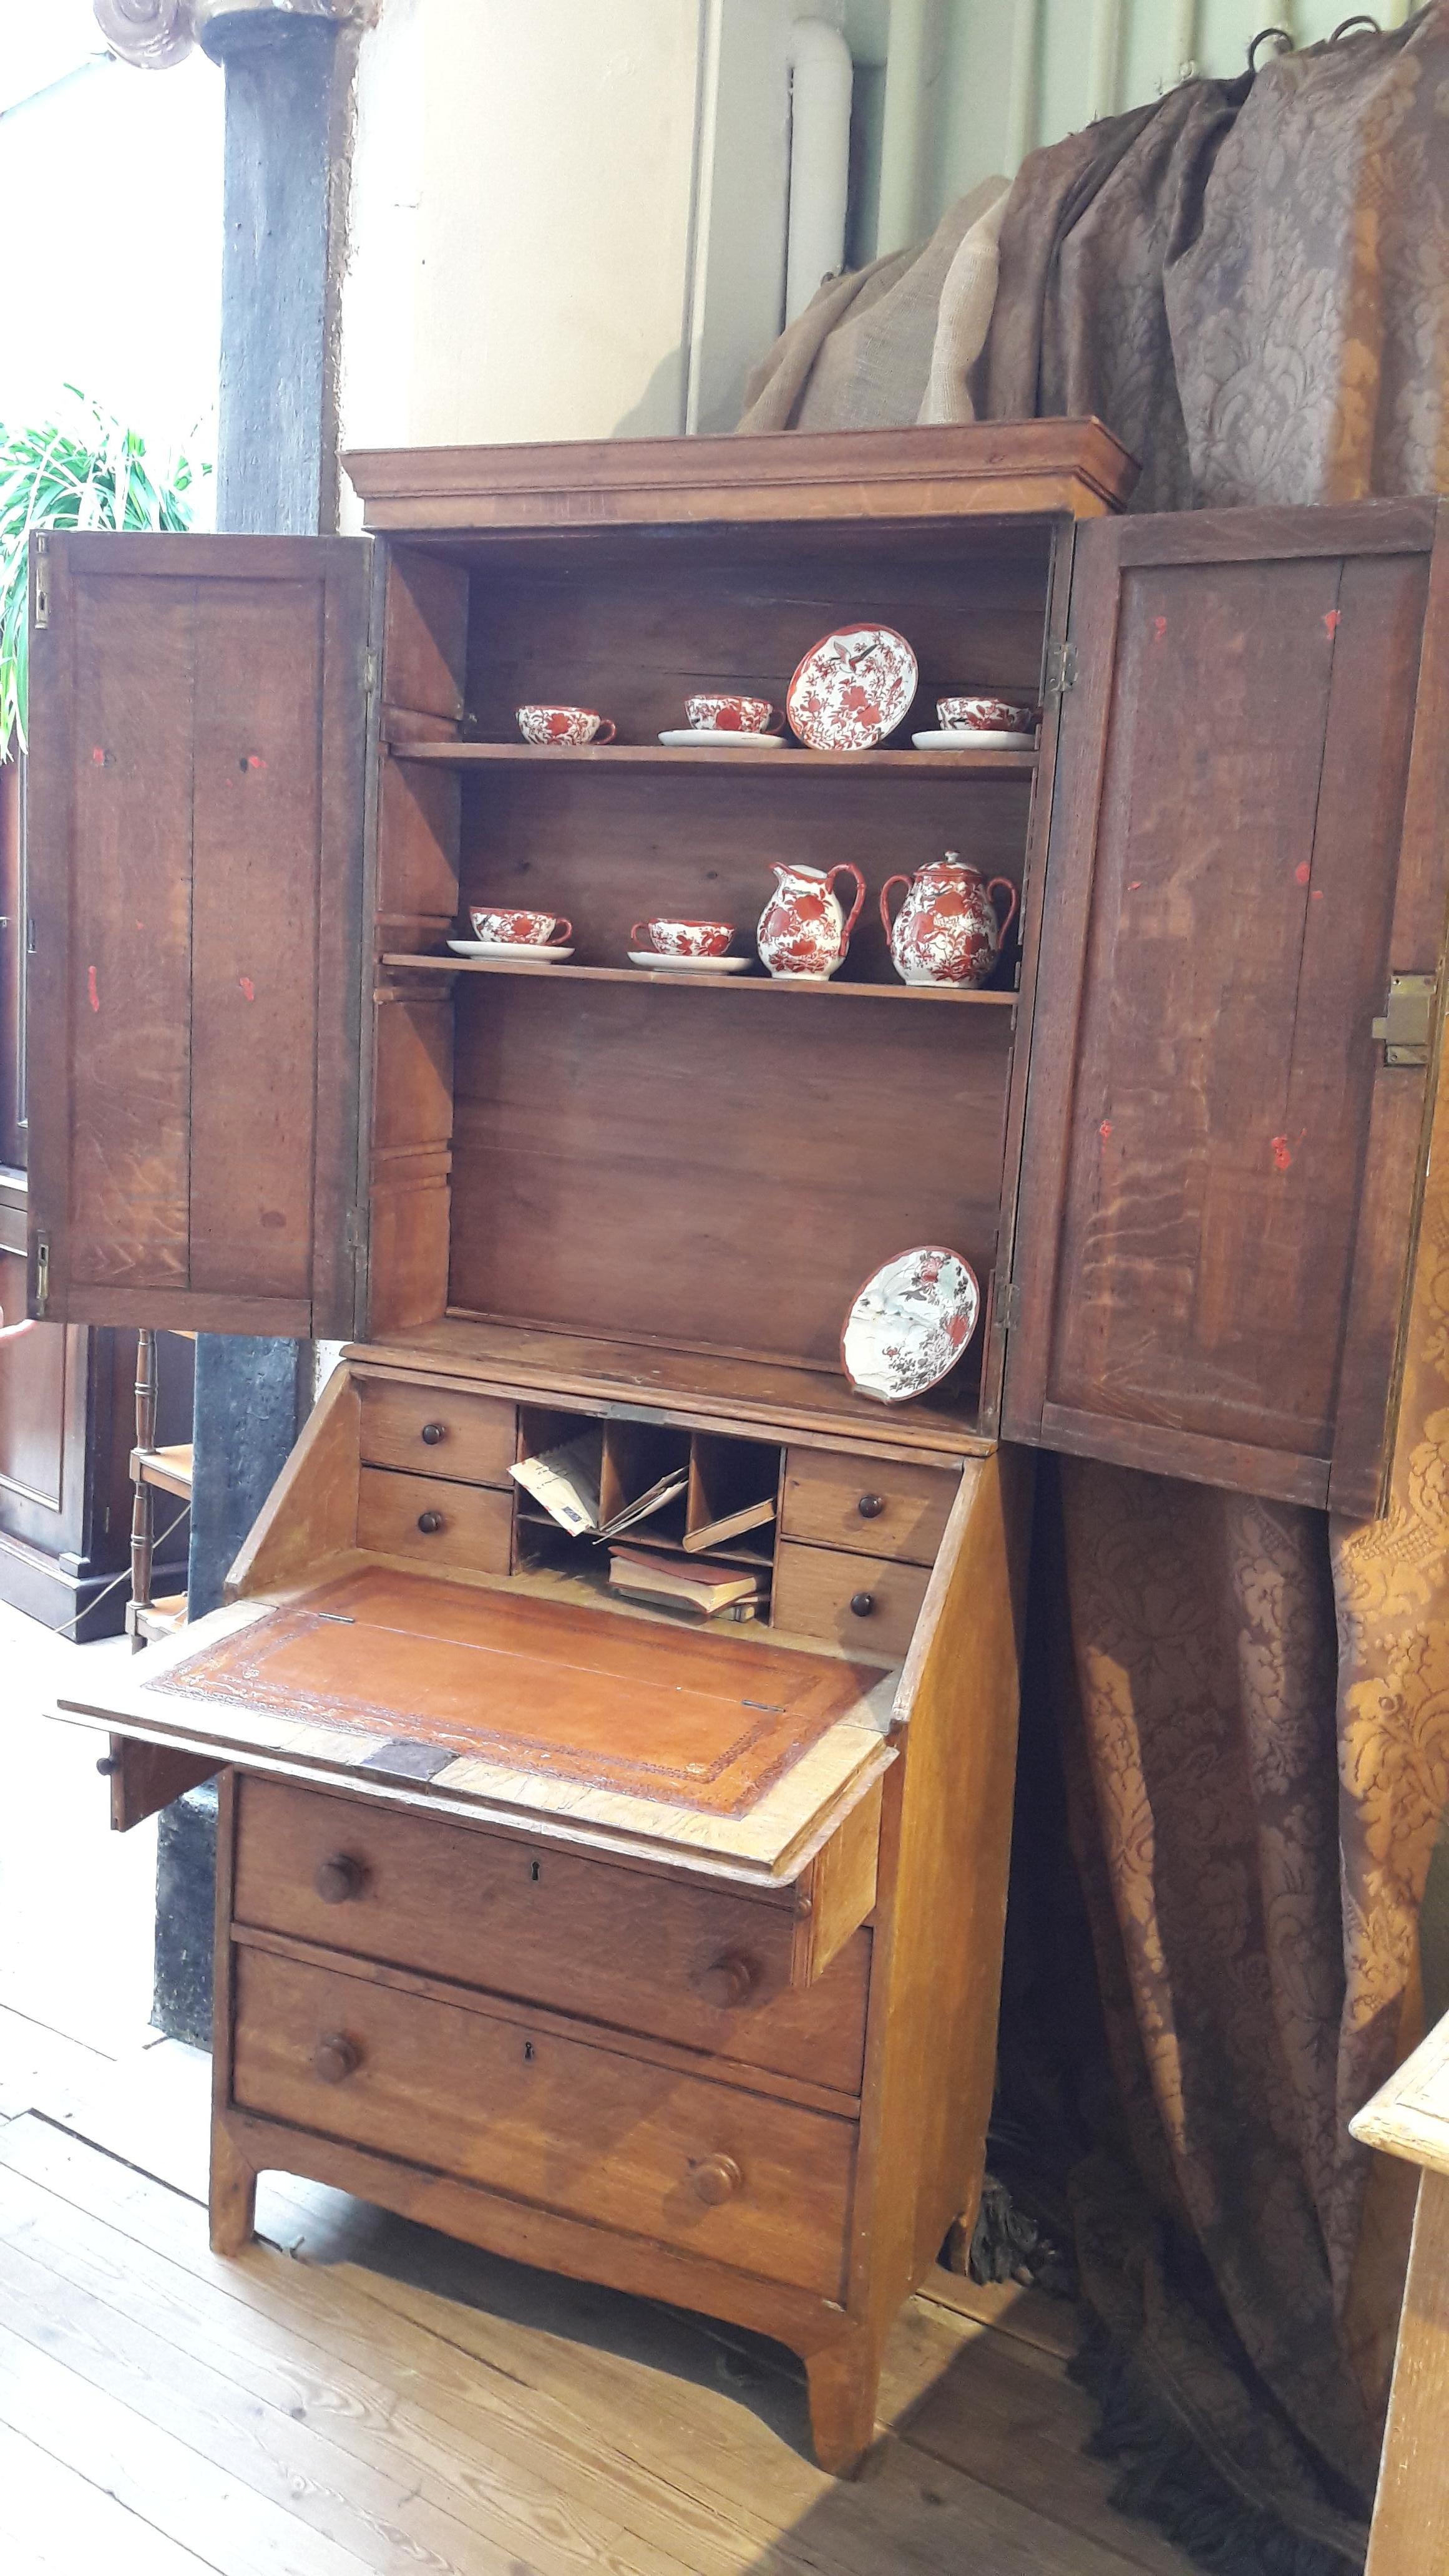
643,755
698,983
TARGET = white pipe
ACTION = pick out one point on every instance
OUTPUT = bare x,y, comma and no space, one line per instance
1021,95
1102,63
821,75
902,120
1184,40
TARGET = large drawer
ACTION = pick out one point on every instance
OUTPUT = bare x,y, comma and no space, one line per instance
734,2176
867,1604
833,1499
434,1431
469,1526
520,1917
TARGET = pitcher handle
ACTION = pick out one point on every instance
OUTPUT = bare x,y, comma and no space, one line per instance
844,868
1009,916
887,925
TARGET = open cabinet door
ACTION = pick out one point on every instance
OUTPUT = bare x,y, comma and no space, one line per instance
1238,998
195,838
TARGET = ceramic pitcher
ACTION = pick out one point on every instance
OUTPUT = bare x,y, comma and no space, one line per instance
802,929
948,930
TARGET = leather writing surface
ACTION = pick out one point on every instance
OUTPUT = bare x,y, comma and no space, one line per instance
699,1721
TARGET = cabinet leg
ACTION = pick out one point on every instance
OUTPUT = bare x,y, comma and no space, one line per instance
233,2195
844,2381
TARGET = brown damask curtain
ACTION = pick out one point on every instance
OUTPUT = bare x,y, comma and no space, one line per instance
1249,282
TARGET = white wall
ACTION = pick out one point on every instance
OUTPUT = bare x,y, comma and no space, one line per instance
522,209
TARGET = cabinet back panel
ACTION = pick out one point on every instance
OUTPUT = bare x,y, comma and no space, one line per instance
721,610
609,850
646,1164
1237,949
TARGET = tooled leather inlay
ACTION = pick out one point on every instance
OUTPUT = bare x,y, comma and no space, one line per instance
690,1719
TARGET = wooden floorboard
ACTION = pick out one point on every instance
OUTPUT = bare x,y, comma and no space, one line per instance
359,2394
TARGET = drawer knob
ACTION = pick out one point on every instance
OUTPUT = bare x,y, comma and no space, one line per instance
430,1523
433,1432
339,1879
335,2058
728,1982
716,2180
862,1603
870,1506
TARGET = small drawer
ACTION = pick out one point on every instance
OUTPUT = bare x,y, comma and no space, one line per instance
835,1500
516,1916
733,2176
868,1603
433,1431
469,1526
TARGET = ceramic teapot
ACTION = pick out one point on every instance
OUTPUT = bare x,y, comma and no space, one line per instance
802,932
948,930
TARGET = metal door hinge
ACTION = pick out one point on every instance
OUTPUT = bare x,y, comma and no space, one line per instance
1407,1025
1061,669
1006,1313
42,581
42,1274
370,673
353,1230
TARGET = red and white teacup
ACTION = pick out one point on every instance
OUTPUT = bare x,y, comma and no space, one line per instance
982,714
684,938
730,714
511,929
577,725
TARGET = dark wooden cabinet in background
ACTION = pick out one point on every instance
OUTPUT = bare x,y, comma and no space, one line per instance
66,1402
486,1835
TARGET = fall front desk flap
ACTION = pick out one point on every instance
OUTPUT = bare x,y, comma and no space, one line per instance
735,1753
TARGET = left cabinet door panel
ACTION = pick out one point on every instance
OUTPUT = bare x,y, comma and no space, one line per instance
195,806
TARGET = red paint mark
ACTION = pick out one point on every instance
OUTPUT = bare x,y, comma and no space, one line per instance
1317,895
1303,872
1282,1153
1105,1130
1331,617
91,988
253,760
1159,629
99,757
1136,886
248,987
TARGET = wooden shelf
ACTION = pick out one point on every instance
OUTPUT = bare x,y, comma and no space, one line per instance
168,1469
633,755
699,983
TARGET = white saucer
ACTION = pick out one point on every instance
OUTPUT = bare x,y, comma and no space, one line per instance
658,965
960,740
682,741
522,952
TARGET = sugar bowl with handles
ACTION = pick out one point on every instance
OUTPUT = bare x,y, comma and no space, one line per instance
948,930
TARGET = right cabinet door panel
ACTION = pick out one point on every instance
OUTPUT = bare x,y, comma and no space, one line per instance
1221,1169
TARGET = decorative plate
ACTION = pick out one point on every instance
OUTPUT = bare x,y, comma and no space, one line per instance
910,1323
523,952
657,963
852,689
687,737
960,740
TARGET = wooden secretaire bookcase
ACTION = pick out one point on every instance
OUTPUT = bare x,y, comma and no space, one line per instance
661,1955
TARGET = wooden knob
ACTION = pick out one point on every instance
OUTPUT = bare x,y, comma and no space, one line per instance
335,2058
862,1603
728,1982
433,1432
716,2179
339,1879
430,1523
870,1506
108,1765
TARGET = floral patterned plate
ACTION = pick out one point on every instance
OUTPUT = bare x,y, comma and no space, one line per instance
910,1323
852,689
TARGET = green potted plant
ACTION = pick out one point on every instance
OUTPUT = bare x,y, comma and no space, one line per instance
84,470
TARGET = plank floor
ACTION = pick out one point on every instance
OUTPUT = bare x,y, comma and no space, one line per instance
360,2394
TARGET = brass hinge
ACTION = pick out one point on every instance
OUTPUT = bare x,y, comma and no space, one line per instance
1407,1025
42,1274
1061,669
1005,1313
42,582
